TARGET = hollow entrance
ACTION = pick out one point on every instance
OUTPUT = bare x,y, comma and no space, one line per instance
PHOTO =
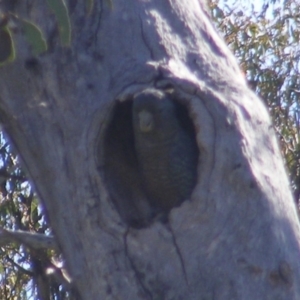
150,157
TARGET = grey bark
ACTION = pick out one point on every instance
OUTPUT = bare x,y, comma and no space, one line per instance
238,235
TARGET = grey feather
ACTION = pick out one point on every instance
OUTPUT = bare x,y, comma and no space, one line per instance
166,149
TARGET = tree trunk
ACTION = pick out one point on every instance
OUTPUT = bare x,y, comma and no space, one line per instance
237,237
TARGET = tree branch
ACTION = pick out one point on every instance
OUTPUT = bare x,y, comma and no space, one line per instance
32,240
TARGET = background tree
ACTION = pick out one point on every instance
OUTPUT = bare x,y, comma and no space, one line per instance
30,268
266,43
29,217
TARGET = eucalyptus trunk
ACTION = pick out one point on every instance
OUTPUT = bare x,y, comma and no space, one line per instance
235,237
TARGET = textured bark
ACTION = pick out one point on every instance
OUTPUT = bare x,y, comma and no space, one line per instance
238,235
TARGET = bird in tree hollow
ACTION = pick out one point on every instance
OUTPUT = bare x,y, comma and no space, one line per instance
166,148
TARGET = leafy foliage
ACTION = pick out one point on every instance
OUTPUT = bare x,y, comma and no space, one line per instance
24,272
266,43
7,49
32,33
34,37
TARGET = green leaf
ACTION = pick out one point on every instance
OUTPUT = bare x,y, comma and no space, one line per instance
110,3
89,5
34,37
34,209
62,16
7,49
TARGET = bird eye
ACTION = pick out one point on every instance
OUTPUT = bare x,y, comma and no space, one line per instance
146,121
